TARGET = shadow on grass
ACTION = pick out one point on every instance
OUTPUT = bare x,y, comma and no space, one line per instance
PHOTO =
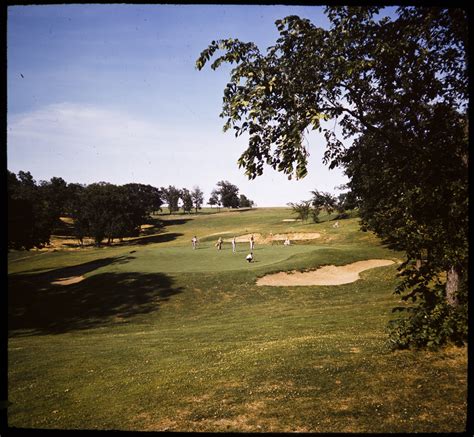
160,238
36,306
76,270
174,221
240,209
147,239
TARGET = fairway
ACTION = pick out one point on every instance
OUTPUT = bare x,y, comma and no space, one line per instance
157,336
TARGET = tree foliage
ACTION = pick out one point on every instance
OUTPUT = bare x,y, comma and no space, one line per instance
397,88
99,210
171,196
228,194
103,210
197,196
214,198
322,201
33,209
245,202
56,193
146,198
346,201
187,200
301,209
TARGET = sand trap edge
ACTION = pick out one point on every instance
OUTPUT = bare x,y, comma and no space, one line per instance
326,275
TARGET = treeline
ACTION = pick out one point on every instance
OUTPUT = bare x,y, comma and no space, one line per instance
322,201
101,211
227,195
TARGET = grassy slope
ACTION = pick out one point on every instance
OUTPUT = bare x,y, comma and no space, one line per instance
159,336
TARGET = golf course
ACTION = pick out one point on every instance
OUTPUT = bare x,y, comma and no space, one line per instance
149,334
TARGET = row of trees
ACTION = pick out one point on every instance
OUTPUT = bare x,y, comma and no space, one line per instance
189,199
101,211
322,201
106,211
227,195
398,88
33,210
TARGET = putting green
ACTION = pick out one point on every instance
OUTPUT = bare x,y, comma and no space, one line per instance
206,258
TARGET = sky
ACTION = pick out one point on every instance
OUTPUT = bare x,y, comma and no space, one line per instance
110,93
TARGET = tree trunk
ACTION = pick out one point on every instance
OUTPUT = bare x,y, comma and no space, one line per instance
452,285
418,264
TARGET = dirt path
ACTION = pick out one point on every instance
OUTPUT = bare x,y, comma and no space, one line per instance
327,275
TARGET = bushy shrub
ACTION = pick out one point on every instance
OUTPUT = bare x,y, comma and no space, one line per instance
431,323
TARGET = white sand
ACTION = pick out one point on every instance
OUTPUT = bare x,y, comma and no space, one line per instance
327,275
293,236
68,281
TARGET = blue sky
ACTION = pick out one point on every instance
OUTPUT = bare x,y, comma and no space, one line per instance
110,93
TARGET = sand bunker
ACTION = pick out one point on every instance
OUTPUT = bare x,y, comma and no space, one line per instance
246,238
297,236
68,281
327,275
293,236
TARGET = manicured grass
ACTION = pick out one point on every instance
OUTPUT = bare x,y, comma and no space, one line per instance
158,336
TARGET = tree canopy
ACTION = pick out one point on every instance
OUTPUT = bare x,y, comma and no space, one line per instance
301,209
171,195
398,90
228,193
197,196
320,201
354,72
187,200
33,209
100,210
245,202
214,198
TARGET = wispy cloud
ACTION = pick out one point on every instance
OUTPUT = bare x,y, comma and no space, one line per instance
96,143
76,128
72,127
89,143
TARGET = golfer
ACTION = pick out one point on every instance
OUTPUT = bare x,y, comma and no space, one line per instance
252,243
249,257
233,244
219,243
194,241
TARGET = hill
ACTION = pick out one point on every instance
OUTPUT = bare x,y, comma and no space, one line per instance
151,335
